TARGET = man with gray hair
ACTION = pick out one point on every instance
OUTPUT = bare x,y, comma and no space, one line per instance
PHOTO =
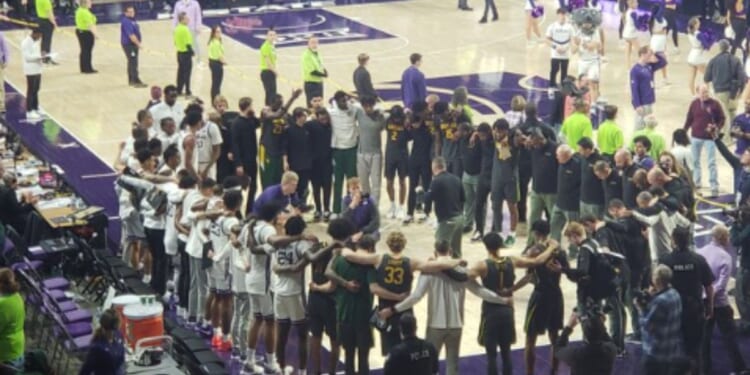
568,190
727,76
720,262
661,324
704,116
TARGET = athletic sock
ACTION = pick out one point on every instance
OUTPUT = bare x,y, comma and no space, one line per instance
250,356
271,359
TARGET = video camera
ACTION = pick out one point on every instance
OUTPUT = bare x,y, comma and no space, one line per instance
739,214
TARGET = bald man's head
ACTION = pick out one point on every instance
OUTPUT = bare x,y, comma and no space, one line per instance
564,153
657,177
623,158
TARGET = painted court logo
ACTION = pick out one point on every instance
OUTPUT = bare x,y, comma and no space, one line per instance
294,28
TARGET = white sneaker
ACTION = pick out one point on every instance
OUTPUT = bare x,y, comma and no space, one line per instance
41,112
146,279
400,213
33,115
288,370
251,369
392,211
432,222
274,368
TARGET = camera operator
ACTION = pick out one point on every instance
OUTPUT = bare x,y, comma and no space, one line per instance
596,355
661,325
361,209
740,237
691,277
610,243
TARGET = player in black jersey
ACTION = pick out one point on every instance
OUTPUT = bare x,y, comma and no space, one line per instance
498,275
420,160
394,276
396,155
321,306
546,308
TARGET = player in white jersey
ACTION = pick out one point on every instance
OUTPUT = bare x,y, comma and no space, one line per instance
208,148
288,265
223,239
588,45
195,214
262,244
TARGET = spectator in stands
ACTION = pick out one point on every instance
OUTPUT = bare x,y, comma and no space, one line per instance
107,352
12,315
12,211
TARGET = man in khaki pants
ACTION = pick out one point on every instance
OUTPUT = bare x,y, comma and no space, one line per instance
726,74
4,58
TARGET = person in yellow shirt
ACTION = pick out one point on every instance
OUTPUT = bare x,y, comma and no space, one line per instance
268,66
216,60
577,125
86,33
47,24
183,42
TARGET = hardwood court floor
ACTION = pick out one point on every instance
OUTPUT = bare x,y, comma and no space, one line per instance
98,109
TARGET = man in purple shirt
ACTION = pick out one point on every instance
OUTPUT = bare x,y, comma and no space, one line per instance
720,262
284,194
705,115
413,86
130,38
192,9
4,58
642,84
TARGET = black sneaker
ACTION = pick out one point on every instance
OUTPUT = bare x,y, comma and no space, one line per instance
317,216
327,216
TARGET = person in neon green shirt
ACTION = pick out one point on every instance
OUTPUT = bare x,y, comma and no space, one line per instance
578,124
86,33
609,136
12,315
183,42
657,140
268,66
216,60
313,71
47,25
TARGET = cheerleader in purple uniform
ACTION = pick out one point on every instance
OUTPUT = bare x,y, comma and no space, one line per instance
629,31
659,28
697,57
532,23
